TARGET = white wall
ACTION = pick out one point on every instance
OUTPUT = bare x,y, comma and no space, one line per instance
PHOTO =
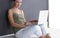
54,14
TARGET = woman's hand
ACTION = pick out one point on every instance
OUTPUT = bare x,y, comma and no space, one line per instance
19,25
34,21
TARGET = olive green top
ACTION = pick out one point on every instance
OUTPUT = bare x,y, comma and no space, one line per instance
19,19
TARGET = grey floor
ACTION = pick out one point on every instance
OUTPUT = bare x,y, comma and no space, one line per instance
8,36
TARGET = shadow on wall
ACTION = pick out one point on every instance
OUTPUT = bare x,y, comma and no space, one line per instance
32,7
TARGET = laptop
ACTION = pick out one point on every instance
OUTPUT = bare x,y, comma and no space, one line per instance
43,17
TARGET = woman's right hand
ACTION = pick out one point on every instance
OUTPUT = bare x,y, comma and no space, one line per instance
19,25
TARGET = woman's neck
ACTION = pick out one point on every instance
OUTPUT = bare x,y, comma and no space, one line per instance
15,7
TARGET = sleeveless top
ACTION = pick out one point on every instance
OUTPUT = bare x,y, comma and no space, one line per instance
19,19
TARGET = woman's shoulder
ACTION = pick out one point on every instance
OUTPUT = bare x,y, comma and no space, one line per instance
9,11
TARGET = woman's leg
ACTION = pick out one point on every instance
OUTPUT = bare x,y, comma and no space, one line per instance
46,35
43,29
29,32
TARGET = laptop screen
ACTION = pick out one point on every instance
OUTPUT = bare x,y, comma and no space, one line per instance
43,14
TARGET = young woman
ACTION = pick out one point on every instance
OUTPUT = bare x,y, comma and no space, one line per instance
18,22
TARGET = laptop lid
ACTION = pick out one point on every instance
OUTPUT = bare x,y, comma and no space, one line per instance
43,14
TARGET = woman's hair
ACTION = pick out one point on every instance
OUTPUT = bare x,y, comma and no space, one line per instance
14,0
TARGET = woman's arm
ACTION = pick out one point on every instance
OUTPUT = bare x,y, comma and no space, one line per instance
11,20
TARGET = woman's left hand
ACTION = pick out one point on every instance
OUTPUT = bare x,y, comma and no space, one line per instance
34,21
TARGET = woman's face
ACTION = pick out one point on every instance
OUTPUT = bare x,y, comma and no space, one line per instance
18,3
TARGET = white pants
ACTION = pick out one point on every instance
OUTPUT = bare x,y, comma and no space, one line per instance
34,31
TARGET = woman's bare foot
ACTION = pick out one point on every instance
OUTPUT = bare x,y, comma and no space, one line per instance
42,36
47,36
